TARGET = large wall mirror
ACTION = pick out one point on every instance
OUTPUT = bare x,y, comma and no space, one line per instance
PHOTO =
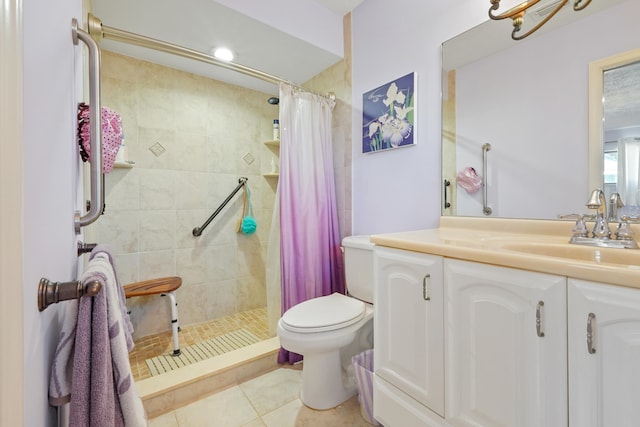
528,101
614,128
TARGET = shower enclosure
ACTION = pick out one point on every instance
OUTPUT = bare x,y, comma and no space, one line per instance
188,140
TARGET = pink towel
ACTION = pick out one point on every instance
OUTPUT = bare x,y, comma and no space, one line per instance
92,371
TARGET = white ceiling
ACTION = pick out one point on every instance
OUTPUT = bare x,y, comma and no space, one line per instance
294,42
340,7
622,97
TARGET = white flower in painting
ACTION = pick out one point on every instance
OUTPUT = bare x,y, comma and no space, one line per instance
393,96
401,112
395,130
373,128
377,124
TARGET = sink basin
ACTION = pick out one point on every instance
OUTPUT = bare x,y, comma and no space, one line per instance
626,257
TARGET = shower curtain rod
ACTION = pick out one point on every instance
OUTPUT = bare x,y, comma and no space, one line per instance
99,31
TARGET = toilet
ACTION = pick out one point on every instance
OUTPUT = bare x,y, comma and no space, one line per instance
329,330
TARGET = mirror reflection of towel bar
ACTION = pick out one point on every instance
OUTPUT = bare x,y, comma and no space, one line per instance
485,205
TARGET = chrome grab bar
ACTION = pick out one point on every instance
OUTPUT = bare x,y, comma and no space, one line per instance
95,130
485,207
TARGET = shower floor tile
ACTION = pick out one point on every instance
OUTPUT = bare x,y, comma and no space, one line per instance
254,321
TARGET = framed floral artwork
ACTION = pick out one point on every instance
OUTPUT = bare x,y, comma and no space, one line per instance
388,114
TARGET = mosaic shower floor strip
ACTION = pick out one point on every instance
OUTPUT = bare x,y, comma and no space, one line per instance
201,351
254,321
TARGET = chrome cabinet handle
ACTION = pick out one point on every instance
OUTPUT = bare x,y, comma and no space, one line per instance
590,320
95,130
425,288
539,319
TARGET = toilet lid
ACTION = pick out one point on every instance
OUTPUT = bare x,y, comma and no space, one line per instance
322,314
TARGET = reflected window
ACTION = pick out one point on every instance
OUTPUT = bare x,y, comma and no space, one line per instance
611,167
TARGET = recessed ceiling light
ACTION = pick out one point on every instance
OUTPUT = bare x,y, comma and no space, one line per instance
223,53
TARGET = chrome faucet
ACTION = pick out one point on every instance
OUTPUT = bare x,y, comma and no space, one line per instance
601,227
600,236
615,203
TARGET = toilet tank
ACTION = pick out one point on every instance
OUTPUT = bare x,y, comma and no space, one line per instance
358,267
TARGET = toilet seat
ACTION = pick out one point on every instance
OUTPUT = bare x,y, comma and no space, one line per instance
323,314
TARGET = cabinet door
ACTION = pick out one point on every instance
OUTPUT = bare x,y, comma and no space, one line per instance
604,376
409,343
505,346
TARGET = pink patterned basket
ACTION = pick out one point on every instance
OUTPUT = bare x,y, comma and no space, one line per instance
111,135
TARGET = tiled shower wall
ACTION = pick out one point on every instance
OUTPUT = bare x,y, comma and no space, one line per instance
208,130
205,134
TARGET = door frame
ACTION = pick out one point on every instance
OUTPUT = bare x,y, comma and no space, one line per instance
11,214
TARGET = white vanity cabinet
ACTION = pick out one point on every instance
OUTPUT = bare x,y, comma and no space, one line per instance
461,343
505,346
604,355
409,341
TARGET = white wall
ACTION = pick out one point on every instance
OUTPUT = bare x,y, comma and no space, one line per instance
400,190
49,184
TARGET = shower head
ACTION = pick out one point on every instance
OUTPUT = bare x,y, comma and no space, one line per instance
273,100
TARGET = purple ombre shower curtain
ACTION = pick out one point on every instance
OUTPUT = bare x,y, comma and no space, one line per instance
310,256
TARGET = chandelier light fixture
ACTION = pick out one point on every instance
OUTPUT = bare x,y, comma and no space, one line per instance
517,14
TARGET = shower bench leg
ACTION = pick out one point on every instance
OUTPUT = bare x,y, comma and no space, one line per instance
164,286
175,325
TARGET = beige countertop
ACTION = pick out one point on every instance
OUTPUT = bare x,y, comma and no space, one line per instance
535,245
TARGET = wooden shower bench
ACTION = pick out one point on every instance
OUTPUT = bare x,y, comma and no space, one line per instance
164,286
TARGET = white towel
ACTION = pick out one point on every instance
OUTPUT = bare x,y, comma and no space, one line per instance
91,367
62,365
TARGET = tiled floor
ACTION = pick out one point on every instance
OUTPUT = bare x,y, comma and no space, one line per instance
271,400
254,321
